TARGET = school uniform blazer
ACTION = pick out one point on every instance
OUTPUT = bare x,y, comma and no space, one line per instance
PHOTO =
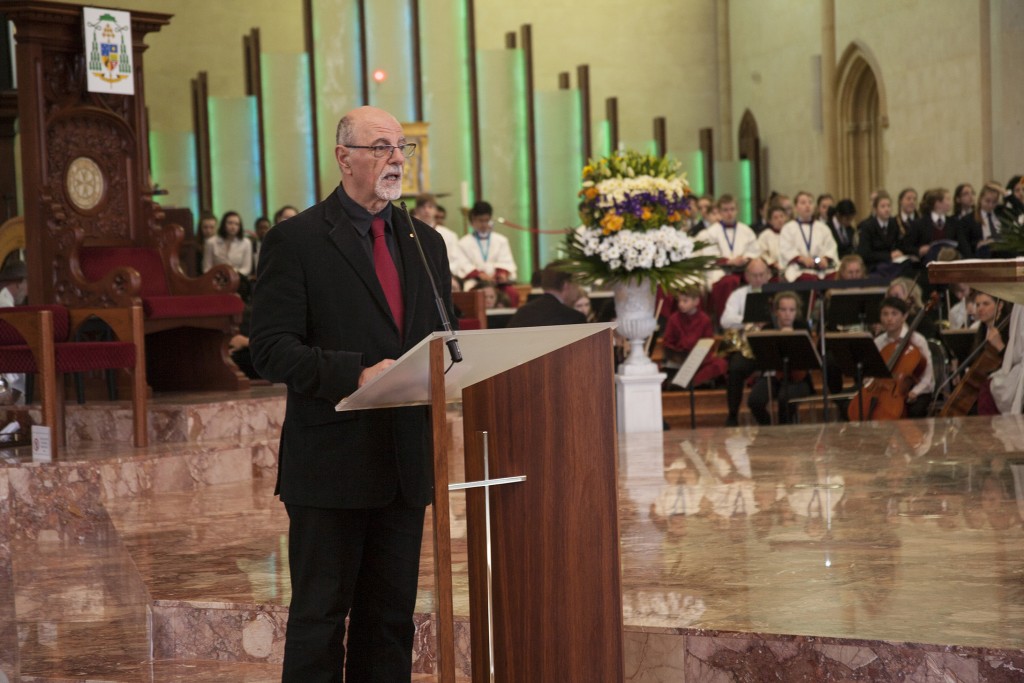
875,245
923,231
319,318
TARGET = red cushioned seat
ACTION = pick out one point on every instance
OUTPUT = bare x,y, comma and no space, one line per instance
469,324
96,262
88,356
194,306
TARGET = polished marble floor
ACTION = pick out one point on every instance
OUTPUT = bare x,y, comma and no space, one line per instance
888,551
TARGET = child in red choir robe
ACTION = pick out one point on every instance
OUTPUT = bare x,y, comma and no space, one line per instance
685,328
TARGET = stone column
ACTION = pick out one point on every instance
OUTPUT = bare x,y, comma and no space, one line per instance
828,94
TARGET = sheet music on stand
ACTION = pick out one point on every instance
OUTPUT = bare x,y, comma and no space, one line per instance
859,306
684,377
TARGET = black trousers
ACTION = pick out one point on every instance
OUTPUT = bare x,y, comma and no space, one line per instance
740,369
758,400
361,564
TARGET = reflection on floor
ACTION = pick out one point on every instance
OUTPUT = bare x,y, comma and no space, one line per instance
890,551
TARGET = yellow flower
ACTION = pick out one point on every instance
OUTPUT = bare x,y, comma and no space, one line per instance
612,222
674,217
646,213
590,192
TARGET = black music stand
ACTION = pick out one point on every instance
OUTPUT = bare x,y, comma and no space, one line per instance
784,350
856,354
959,342
757,308
854,307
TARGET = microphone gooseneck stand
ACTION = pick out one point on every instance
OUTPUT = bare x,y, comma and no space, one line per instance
451,342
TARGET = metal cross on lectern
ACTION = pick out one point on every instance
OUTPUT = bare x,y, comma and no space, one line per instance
486,483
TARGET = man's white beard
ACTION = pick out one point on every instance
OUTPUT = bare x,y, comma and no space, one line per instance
389,191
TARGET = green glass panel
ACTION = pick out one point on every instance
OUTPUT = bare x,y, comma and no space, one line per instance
287,131
172,157
559,165
235,157
503,150
388,48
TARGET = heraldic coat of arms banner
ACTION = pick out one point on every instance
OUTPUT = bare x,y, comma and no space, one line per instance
108,51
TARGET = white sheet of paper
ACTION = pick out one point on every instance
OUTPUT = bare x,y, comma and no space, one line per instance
692,362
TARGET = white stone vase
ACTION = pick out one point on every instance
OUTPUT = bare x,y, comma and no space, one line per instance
634,314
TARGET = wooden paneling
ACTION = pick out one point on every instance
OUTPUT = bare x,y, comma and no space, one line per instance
583,82
555,543
310,48
526,36
201,128
254,88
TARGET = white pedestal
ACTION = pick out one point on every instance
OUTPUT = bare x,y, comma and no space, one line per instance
638,402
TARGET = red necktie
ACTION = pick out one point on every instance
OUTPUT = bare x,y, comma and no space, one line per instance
940,230
386,272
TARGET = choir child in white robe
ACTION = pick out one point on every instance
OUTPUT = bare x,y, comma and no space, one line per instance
732,244
768,240
489,252
806,246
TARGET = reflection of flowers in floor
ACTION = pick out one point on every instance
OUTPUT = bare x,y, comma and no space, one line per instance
662,608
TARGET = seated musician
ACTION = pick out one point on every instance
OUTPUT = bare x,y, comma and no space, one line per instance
686,327
787,308
1007,383
893,314
806,246
989,312
740,366
909,291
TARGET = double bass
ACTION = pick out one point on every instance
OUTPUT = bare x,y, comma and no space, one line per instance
886,398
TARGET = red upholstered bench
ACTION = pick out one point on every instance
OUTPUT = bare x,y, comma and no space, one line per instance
37,340
188,320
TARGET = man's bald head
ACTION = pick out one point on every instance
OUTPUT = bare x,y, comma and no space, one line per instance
371,175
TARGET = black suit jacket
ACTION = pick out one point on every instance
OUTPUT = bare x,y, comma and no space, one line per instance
876,246
843,237
546,310
319,318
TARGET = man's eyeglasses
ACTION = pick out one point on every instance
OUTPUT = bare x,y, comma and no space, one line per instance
381,151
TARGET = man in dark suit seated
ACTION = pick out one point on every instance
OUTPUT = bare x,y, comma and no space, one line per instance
342,292
554,306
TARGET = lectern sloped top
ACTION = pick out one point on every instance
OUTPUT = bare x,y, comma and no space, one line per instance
485,353
1002,278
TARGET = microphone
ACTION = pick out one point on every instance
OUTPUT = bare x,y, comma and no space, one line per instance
451,342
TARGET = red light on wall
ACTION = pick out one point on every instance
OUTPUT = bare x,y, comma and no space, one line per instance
380,75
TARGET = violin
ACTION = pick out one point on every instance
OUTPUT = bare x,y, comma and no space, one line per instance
886,398
983,362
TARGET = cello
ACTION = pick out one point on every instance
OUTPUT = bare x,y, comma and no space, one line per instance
982,362
886,398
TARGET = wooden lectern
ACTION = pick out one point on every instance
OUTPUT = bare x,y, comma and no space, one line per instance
542,400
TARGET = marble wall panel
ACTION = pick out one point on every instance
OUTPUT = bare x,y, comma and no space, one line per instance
183,630
8,622
55,501
654,657
424,648
728,658
234,419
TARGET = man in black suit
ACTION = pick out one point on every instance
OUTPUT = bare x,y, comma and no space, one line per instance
342,292
554,306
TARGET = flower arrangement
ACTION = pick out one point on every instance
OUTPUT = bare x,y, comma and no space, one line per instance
632,207
1011,229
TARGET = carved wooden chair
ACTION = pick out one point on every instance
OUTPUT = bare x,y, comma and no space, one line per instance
188,320
36,340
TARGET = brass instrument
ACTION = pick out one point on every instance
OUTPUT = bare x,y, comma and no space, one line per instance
735,340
